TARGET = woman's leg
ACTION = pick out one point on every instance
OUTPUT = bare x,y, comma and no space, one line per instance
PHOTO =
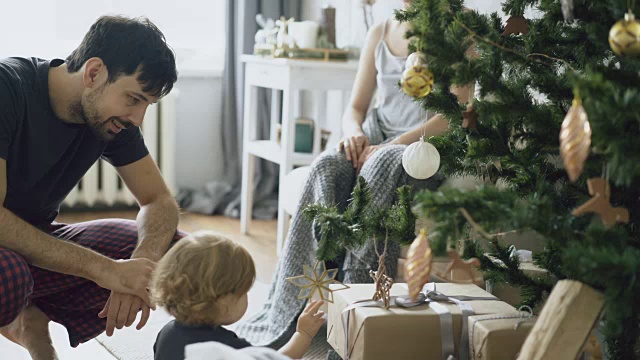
384,175
330,182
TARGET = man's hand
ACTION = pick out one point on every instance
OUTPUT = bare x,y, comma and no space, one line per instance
121,310
128,277
353,147
366,155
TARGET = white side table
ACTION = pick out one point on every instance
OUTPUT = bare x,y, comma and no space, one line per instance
290,76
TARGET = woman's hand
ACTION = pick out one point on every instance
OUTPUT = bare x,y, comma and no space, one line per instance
366,155
353,147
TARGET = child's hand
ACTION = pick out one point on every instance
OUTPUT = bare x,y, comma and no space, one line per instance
311,319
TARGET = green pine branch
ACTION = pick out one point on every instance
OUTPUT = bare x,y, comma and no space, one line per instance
362,222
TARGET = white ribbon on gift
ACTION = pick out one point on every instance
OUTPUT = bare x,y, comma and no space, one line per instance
433,298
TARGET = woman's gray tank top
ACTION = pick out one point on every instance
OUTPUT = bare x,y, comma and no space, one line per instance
397,112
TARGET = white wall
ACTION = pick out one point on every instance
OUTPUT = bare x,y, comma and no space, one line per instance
489,6
485,6
350,27
53,28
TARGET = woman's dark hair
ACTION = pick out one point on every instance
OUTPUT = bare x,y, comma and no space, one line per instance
126,45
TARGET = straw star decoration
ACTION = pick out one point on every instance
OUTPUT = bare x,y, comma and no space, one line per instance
317,279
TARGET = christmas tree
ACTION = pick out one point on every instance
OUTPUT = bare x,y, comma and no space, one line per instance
360,222
528,77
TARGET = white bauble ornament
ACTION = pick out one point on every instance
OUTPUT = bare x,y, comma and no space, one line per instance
421,160
415,59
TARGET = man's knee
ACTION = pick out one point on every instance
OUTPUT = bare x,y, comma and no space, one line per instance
16,285
116,238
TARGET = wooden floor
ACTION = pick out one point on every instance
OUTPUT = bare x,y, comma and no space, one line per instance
261,242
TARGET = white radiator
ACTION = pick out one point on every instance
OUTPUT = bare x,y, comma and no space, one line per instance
101,186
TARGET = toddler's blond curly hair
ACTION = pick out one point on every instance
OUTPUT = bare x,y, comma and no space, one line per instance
196,272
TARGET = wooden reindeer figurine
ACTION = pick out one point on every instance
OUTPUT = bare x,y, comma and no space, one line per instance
599,204
457,263
382,281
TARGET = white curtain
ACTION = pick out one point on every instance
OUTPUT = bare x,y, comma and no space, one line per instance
223,196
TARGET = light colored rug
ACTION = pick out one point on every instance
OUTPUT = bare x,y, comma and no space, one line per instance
131,344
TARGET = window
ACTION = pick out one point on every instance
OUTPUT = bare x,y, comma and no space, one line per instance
53,28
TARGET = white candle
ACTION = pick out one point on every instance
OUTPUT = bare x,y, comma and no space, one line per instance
304,33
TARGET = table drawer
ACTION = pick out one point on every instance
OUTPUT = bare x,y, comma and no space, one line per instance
270,76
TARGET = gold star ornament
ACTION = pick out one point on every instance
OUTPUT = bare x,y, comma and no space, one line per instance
317,279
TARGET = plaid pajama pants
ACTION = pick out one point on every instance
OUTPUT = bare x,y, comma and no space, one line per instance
69,300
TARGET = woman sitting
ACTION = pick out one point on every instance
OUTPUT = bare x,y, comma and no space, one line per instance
372,147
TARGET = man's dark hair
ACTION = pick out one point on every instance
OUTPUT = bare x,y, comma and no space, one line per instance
124,45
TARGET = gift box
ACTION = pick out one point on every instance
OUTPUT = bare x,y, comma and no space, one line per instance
498,336
374,332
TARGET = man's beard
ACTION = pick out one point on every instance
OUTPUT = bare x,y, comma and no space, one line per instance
87,111
98,126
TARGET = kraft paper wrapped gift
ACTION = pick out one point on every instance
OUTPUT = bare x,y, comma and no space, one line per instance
403,333
498,336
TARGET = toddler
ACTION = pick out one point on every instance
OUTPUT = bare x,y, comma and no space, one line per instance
203,282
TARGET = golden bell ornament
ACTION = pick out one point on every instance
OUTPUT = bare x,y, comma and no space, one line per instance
417,81
624,36
418,265
575,139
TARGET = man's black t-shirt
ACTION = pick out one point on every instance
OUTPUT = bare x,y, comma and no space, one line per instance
45,156
174,336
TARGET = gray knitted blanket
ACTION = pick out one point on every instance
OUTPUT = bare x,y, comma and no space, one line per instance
331,181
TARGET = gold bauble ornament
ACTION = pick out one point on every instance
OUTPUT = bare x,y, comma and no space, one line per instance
575,139
624,36
417,79
418,265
